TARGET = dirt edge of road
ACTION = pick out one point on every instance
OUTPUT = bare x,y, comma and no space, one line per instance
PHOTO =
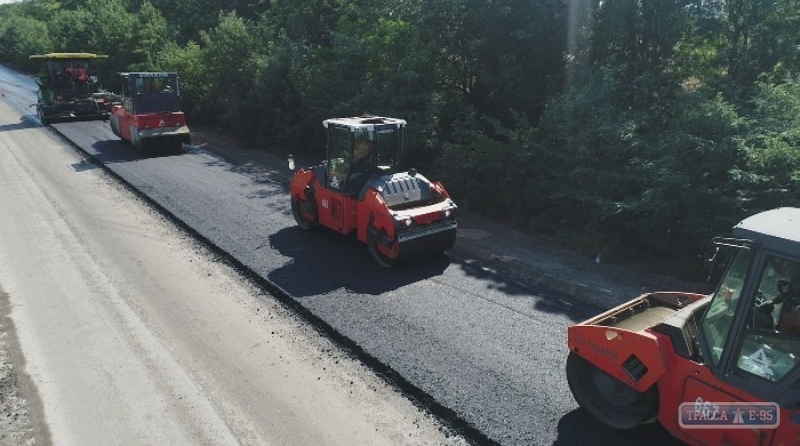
21,415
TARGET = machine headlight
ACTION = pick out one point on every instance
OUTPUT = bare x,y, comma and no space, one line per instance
402,222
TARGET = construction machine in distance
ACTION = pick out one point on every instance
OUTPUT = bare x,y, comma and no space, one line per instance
69,87
717,369
360,189
149,114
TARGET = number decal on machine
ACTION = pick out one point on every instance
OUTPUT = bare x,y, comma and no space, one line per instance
706,408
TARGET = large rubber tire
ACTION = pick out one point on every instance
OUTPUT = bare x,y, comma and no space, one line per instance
380,258
302,221
114,123
607,399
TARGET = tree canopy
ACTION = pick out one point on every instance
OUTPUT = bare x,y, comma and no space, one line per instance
636,128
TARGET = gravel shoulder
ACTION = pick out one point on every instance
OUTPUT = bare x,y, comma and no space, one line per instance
16,420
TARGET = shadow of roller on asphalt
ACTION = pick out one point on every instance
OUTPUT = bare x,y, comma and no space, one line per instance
520,286
323,260
119,151
577,428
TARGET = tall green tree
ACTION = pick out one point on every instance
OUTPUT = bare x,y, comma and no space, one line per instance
228,56
21,37
310,23
637,35
187,62
150,36
770,177
761,35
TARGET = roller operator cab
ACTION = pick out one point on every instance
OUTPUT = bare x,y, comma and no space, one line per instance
69,87
360,189
688,360
149,114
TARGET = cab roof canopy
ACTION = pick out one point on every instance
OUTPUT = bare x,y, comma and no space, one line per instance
148,73
364,121
69,56
777,229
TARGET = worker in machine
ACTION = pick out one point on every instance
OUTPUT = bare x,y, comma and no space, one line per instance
781,279
81,79
80,74
65,75
363,155
790,322
789,318
67,81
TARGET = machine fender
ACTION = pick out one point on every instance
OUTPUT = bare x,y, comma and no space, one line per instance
376,218
440,189
376,234
310,192
635,358
302,182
